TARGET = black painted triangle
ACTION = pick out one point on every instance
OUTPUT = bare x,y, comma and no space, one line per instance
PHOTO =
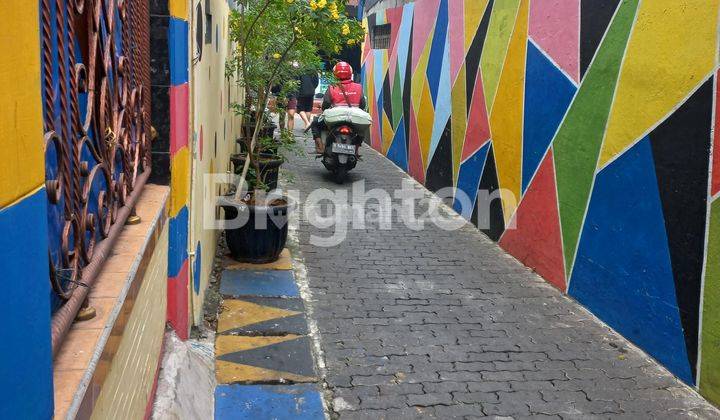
387,98
440,170
681,151
472,59
371,22
595,17
288,304
292,356
294,324
488,213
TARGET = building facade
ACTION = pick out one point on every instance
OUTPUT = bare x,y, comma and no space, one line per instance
581,134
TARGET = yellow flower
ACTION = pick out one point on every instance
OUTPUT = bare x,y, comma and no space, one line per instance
351,42
321,4
334,15
276,56
345,29
313,5
337,49
290,1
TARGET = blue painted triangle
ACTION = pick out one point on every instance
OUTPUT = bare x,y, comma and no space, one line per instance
469,181
548,93
437,50
397,152
622,272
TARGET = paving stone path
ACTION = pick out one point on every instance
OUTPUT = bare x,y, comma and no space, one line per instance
432,323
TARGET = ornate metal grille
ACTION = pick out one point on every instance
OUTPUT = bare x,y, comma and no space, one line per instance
96,109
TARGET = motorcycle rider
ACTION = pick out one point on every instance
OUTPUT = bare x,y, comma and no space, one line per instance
344,93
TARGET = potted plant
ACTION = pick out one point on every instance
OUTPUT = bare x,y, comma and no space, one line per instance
271,154
275,42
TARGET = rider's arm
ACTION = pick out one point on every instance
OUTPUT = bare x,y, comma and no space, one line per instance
363,103
327,100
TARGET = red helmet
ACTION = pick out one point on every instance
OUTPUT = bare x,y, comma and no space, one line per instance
343,71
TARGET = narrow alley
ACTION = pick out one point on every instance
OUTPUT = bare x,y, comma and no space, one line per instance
445,324
360,209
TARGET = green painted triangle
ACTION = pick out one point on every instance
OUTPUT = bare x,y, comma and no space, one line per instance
397,104
397,100
578,141
710,356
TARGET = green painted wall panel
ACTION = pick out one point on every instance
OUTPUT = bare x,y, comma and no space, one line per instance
579,138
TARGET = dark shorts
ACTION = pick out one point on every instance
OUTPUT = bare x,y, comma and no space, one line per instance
305,103
292,103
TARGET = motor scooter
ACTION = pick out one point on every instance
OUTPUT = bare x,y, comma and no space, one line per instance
346,129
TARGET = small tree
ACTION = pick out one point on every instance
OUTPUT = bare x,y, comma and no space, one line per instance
275,42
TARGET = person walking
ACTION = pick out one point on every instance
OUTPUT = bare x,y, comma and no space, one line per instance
306,96
292,103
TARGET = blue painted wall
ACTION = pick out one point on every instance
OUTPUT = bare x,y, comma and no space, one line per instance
25,350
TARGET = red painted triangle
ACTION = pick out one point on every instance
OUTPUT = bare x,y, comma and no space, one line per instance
375,137
366,48
478,128
415,163
536,239
425,15
394,18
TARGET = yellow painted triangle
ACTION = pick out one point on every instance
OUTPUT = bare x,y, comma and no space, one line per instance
425,120
388,134
671,51
458,121
226,344
239,313
369,76
418,81
228,373
474,10
500,30
506,118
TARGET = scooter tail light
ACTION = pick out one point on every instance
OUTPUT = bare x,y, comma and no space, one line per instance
344,130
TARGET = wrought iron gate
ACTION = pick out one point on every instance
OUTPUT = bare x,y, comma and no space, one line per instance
96,110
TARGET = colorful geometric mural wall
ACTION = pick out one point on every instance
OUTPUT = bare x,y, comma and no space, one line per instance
178,269
203,130
592,122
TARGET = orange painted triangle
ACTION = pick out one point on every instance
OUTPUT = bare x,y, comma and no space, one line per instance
536,240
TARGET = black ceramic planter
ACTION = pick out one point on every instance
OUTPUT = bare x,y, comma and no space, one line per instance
269,167
262,237
266,131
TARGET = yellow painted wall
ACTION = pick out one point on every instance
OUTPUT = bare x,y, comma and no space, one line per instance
211,94
178,8
671,43
127,388
21,137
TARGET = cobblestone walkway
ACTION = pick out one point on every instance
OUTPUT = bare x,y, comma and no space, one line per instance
444,324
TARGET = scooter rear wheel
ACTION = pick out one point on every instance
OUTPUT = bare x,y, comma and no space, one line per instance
340,174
